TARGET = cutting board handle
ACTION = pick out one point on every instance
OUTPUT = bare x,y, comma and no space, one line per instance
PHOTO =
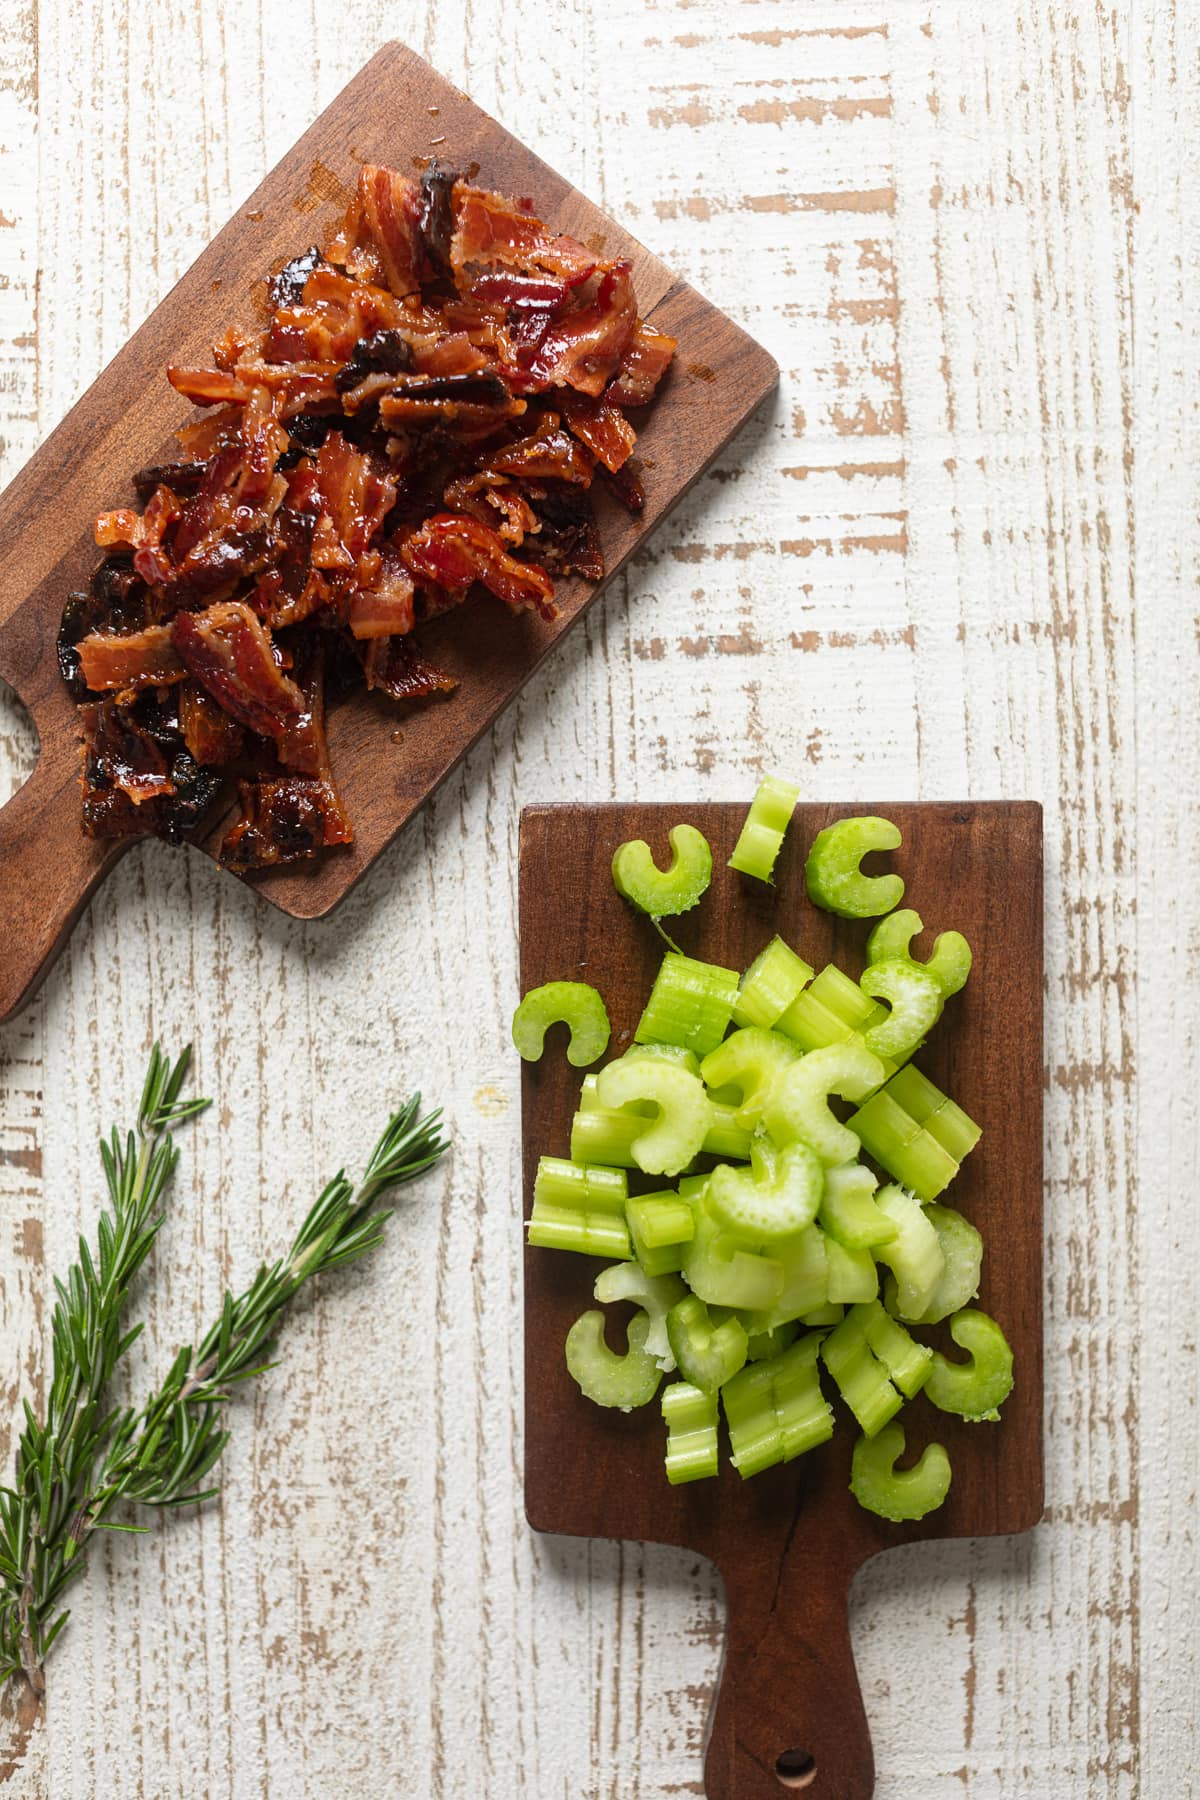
789,1715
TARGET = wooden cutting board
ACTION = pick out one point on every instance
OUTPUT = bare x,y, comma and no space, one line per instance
788,1542
396,111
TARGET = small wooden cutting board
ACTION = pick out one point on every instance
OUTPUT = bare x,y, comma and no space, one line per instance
788,1542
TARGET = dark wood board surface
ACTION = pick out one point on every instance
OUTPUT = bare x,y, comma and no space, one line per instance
788,1542
397,111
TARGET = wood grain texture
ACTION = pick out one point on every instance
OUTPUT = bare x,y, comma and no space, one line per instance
968,234
788,1543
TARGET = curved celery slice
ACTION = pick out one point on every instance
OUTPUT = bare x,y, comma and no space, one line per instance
668,1142
571,1003
914,1255
804,1265
906,1150
750,1060
798,1107
656,1295
690,1004
893,1493
861,1377
707,1354
664,892
949,963
659,1227
834,878
761,1346
605,1376
761,837
962,1248
722,1271
853,1276
976,1388
691,1421
579,1207
776,1410
761,1207
916,1002
601,1134
770,985
833,1010
848,1210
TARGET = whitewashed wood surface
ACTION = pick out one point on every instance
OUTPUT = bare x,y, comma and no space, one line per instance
957,556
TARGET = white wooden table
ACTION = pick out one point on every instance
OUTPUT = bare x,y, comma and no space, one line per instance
968,231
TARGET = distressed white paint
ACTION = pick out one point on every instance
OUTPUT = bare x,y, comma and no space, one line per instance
968,233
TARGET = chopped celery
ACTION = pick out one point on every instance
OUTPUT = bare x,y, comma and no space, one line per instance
770,984
907,1362
804,1288
664,892
751,1060
690,1004
570,1003
905,1149
721,1270
672,1053
691,1420
767,821
848,1210
606,1377
832,1313
962,1249
668,1142
834,1010
943,1120
602,1135
761,1207
835,880
725,1137
914,1255
655,1294
976,1388
852,1273
659,1227
707,1354
761,1346
861,1376
776,1409
579,1207
916,1002
799,1103
949,964
893,1493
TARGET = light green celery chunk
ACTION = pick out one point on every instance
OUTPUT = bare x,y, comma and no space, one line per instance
893,1493
691,1004
949,963
941,1117
667,1143
579,1207
845,998
762,835
914,1255
770,984
655,1294
725,1137
776,1410
600,1135
835,880
798,1108
721,1270
750,1060
916,1002
834,1010
762,1345
707,1353
832,1313
604,1375
691,1421
852,1274
659,1227
761,1207
905,1149
861,1371
848,1210
973,1389
669,1053
570,1003
664,892
804,1267
962,1248
907,1362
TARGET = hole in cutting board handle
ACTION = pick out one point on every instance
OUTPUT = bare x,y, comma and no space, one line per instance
18,743
796,1769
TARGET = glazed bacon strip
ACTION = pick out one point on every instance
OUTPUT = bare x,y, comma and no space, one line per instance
419,413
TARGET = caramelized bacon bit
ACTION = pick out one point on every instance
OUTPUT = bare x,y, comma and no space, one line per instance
391,211
397,668
291,819
230,653
211,736
133,659
601,426
435,217
646,360
584,349
385,609
453,551
138,779
490,229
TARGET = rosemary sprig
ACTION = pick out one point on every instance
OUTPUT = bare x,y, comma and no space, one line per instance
74,1468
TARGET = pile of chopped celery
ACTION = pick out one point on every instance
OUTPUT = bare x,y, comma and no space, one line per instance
781,1253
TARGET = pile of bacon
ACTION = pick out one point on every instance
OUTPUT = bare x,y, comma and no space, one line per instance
425,410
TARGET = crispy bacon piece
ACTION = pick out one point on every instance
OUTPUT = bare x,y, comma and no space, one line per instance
288,819
137,777
385,608
568,542
354,493
546,455
229,651
601,426
132,659
518,293
646,360
435,217
453,551
396,667
391,211
584,349
334,313
490,229
211,736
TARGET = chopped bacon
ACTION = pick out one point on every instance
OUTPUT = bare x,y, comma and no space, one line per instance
354,493
547,455
453,551
391,212
601,426
290,819
134,659
646,360
396,667
211,736
385,609
332,315
137,777
490,229
584,349
519,293
229,652
451,355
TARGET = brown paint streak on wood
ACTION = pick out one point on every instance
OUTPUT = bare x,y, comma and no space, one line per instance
875,543
776,35
855,200
779,112
868,420
879,471
812,641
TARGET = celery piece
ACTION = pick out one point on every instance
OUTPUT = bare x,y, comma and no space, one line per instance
691,1421
833,1010
832,1313
835,880
601,1135
916,1003
668,1142
690,1004
570,1003
761,1346
606,1377
907,1362
914,1255
905,1149
664,892
770,984
579,1207
655,1294
942,1118
845,999
848,1210
804,1288
751,1060
659,1227
798,1107
761,837
759,1207
721,1270
852,1273
962,1248
725,1137
898,1494
949,963
707,1354
669,1053
861,1376
976,1388
776,1410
